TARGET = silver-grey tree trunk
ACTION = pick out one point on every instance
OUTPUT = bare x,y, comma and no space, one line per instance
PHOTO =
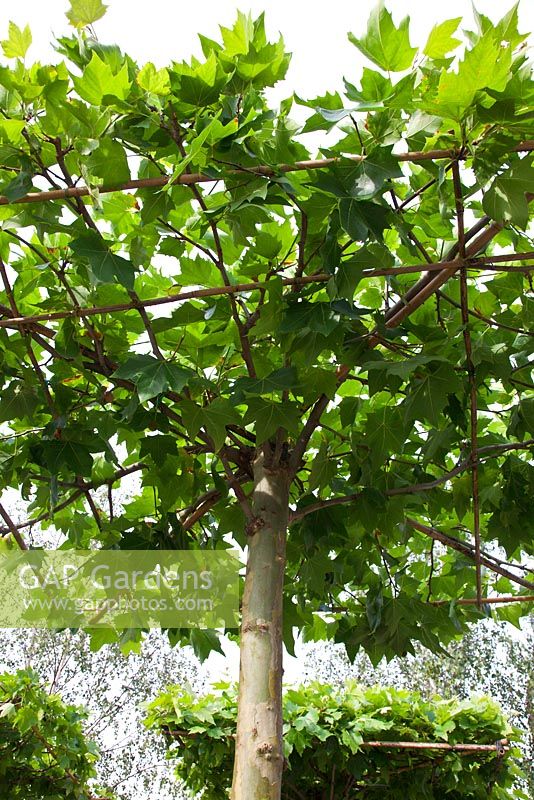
259,748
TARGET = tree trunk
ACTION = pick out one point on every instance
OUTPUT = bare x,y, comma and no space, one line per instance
259,748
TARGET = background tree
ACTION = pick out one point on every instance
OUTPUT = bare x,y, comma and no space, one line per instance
345,742
245,329
111,688
43,751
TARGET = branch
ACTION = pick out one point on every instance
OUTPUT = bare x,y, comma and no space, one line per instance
236,486
415,487
311,424
467,550
427,286
488,601
471,373
189,179
320,277
12,528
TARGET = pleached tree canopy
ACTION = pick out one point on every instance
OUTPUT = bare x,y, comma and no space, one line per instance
338,344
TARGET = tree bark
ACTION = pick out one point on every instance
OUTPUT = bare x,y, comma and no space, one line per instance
259,748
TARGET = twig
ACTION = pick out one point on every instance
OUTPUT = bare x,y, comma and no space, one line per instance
311,424
37,369
94,510
488,320
236,486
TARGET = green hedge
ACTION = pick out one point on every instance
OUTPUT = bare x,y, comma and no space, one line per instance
325,731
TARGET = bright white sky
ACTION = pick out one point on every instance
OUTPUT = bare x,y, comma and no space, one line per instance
314,31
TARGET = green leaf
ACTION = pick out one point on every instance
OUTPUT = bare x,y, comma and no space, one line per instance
351,740
63,455
106,267
385,433
441,41
18,187
158,447
269,416
358,217
99,82
284,378
373,173
152,376
200,85
84,12
485,66
27,718
109,162
154,81
428,394
204,642
18,41
213,417
317,317
323,469
11,130
384,43
506,199
18,401
7,709
349,273
374,604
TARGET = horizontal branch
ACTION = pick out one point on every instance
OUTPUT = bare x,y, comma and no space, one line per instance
195,294
460,601
500,746
487,601
193,178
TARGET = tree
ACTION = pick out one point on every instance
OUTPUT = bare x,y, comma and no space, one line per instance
490,659
298,374
348,742
43,752
111,689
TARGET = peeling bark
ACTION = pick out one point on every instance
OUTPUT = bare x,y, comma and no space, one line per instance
259,747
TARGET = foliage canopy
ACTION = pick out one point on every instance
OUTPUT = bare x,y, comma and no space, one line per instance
128,344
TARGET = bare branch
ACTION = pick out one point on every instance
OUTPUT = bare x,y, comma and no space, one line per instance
79,312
